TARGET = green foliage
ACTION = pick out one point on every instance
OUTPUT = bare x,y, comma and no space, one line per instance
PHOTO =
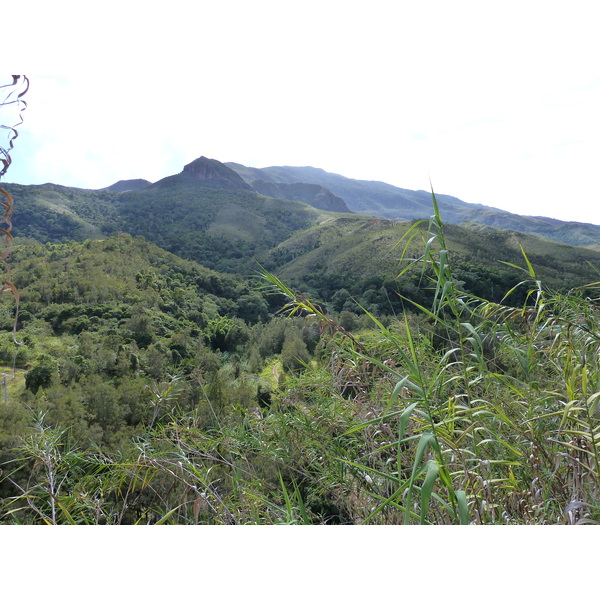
39,376
162,392
294,353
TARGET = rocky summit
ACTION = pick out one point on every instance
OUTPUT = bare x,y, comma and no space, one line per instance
214,173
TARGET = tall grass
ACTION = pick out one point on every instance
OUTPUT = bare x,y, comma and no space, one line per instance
492,412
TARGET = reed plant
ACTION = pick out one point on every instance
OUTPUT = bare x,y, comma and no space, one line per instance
492,411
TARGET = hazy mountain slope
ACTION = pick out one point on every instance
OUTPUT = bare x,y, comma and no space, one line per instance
209,213
368,197
250,174
387,201
211,173
572,233
310,193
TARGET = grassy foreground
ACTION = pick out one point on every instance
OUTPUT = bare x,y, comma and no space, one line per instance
467,412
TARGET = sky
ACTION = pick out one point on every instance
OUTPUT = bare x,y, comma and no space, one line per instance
492,102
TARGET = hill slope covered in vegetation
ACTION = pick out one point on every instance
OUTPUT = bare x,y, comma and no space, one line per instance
205,213
156,391
355,260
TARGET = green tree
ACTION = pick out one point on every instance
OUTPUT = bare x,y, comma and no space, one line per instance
39,376
294,354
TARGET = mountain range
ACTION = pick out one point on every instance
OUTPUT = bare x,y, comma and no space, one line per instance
317,228
387,201
324,191
336,193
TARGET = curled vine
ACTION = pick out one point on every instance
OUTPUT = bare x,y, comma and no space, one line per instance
13,104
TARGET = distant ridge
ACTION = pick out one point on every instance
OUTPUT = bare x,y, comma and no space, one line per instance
246,205
128,185
383,200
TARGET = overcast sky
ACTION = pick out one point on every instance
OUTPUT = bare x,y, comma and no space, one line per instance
495,102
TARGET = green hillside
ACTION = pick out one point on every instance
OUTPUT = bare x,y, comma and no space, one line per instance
116,314
55,213
206,213
353,260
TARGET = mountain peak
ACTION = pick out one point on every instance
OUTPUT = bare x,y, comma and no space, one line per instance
212,172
